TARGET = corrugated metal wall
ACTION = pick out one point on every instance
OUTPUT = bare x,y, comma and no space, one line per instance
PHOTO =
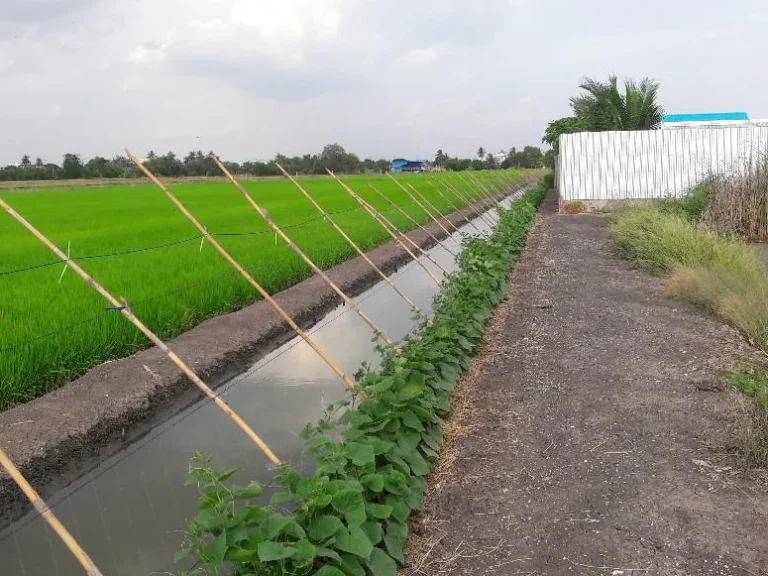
652,163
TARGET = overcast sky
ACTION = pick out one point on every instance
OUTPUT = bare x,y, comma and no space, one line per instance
250,78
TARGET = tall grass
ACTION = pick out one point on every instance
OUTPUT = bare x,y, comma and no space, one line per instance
53,327
718,272
738,203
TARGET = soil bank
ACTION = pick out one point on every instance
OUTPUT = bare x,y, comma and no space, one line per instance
590,436
60,436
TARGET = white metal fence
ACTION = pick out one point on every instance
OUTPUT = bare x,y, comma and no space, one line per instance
603,166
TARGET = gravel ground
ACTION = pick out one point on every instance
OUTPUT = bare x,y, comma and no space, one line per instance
590,435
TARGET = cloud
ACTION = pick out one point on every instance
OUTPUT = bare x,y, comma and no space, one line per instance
421,56
382,77
21,11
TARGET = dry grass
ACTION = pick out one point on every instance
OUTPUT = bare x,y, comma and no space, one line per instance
738,204
574,207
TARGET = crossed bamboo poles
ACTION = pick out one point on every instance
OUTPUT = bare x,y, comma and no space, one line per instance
122,307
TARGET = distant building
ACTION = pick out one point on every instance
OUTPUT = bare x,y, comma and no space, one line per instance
704,119
402,165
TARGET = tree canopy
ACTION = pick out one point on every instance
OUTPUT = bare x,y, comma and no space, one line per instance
604,106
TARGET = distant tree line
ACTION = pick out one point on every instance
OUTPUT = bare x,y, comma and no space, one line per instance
196,163
528,157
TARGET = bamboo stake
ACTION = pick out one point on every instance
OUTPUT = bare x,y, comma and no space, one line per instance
433,207
456,209
380,219
474,191
466,199
413,221
48,515
352,243
264,294
265,215
126,312
416,200
393,227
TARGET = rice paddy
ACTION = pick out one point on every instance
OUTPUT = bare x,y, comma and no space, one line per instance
133,240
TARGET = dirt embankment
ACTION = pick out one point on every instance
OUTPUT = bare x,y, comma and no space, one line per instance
590,436
62,435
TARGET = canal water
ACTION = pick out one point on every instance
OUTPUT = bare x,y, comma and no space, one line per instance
130,513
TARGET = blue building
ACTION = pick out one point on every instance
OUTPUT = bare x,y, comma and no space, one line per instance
402,165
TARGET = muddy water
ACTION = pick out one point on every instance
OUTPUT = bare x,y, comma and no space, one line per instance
130,512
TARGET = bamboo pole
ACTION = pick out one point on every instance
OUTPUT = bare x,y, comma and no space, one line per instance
413,221
264,294
433,207
474,191
126,312
455,208
266,217
466,199
48,515
416,200
352,243
381,220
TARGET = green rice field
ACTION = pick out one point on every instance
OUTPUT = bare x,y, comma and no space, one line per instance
133,241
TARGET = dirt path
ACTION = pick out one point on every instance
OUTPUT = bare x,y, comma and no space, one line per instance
590,436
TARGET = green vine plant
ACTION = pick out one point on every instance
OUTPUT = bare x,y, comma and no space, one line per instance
372,451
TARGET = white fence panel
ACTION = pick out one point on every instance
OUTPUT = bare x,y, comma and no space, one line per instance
635,165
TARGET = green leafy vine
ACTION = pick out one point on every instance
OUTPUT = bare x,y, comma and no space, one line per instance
372,452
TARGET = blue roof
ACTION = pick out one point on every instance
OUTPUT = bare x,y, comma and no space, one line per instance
707,117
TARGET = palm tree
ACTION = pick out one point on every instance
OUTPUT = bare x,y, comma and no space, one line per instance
604,107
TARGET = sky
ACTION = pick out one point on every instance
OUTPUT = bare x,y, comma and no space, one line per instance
383,78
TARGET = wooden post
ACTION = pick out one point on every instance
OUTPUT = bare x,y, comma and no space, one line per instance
236,265
352,243
126,312
265,215
379,219
48,515
413,221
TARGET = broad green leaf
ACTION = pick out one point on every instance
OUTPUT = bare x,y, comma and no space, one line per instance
355,542
412,421
324,527
373,531
352,565
305,550
351,504
321,552
214,551
373,482
359,454
410,391
328,570
272,551
379,511
253,490
381,564
274,524
400,509
418,465
210,519
241,555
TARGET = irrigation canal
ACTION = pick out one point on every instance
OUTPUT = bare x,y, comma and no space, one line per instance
130,513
